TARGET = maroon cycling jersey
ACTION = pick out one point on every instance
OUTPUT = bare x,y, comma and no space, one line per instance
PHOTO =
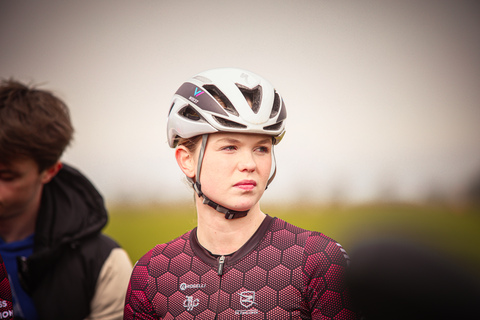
6,303
282,272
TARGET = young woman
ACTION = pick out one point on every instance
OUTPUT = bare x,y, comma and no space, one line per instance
238,263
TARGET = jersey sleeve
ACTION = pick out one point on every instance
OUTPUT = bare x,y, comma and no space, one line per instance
6,302
324,276
137,304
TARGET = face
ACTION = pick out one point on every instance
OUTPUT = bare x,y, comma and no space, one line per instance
21,187
236,168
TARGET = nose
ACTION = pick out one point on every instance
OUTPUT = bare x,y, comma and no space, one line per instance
247,162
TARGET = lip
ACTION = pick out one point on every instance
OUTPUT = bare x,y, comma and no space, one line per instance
246,184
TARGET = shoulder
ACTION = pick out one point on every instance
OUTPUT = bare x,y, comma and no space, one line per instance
97,253
155,261
99,245
285,231
315,245
174,246
169,249
111,286
102,257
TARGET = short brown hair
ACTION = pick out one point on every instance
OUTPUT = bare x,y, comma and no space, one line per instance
33,124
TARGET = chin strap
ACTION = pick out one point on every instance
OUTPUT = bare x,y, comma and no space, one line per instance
229,213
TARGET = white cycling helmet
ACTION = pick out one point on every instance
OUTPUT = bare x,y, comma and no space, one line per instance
196,111
225,100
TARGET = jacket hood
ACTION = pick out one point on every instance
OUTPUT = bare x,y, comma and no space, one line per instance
71,209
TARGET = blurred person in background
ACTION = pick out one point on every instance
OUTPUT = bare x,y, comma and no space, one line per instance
398,278
59,263
6,304
238,262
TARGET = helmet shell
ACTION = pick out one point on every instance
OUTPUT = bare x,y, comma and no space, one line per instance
217,100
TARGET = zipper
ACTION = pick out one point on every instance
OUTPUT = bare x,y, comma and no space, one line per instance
221,262
24,274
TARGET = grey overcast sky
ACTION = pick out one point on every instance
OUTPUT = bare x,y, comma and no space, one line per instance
380,94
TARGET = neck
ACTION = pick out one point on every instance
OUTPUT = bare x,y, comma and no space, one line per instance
12,230
221,236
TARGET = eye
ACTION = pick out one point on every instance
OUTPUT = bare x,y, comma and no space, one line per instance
8,177
262,149
229,148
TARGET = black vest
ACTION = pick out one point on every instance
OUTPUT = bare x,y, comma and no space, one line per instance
69,249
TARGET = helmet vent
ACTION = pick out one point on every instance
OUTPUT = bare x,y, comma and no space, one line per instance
229,124
253,96
190,113
221,98
202,79
274,127
276,105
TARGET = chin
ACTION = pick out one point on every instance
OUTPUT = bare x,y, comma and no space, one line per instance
242,206
237,202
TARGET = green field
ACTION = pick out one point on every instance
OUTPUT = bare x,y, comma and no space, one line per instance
454,232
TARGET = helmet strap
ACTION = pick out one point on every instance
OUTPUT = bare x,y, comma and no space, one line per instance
273,172
229,213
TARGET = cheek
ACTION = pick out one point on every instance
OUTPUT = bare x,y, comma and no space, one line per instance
18,194
215,171
9,191
216,176
264,166
11,199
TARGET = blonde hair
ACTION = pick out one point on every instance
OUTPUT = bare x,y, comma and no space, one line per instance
190,143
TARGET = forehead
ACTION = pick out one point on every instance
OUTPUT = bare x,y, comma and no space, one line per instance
240,137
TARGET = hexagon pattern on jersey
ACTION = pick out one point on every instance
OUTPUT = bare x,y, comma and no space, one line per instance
6,302
288,273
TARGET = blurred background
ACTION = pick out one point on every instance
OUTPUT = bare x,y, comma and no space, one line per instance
382,96
383,100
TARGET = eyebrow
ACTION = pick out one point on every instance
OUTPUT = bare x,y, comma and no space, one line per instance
228,140
266,140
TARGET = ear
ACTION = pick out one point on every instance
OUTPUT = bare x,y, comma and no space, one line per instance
51,172
185,161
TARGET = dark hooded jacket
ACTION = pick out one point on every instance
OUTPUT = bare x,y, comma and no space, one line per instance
69,249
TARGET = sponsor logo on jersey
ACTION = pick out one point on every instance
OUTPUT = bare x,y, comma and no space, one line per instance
5,314
189,303
253,311
184,286
247,299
